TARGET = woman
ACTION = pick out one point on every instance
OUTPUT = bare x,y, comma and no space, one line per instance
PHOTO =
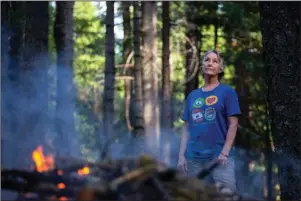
211,119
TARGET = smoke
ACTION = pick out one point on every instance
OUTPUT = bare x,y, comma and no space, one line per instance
65,110
29,116
133,147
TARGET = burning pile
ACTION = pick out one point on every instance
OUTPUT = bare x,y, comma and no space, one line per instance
129,179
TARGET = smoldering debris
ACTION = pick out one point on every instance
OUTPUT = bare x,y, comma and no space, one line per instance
143,178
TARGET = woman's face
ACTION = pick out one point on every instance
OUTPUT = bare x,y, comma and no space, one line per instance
211,65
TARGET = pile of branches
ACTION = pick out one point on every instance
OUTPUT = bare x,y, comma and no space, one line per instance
129,179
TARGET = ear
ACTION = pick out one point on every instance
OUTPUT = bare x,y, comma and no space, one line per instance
202,68
221,70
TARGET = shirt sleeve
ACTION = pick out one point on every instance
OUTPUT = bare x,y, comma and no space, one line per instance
185,115
232,103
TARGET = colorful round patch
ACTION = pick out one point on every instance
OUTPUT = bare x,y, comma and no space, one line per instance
198,103
211,100
210,113
197,115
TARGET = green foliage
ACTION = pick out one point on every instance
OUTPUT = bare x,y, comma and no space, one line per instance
208,39
241,31
89,45
89,61
177,61
87,132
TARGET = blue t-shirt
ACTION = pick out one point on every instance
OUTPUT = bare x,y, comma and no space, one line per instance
207,116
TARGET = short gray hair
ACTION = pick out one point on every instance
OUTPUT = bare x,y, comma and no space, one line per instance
218,54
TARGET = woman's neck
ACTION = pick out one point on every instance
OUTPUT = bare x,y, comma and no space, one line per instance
211,81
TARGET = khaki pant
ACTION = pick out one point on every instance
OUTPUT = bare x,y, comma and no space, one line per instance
224,174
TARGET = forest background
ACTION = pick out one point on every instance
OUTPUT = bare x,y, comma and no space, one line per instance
109,79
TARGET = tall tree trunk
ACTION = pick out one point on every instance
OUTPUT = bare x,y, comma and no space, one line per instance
150,74
127,49
5,114
216,36
7,141
33,102
280,27
216,33
138,120
109,86
269,158
243,95
36,59
243,139
166,82
5,27
11,94
66,143
192,55
216,26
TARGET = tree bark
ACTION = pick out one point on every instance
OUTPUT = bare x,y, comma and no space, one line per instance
29,65
11,78
66,143
33,83
166,82
127,49
5,26
192,54
243,93
243,139
216,26
150,74
138,97
216,33
109,86
5,120
280,27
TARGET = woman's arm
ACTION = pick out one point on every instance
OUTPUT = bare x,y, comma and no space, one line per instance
231,134
184,139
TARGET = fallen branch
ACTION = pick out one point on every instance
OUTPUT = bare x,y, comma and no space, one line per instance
38,188
36,177
140,172
69,164
124,65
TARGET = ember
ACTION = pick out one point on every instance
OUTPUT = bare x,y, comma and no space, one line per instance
63,198
60,172
83,171
61,186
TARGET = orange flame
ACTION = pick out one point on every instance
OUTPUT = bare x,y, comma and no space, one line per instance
84,171
43,163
